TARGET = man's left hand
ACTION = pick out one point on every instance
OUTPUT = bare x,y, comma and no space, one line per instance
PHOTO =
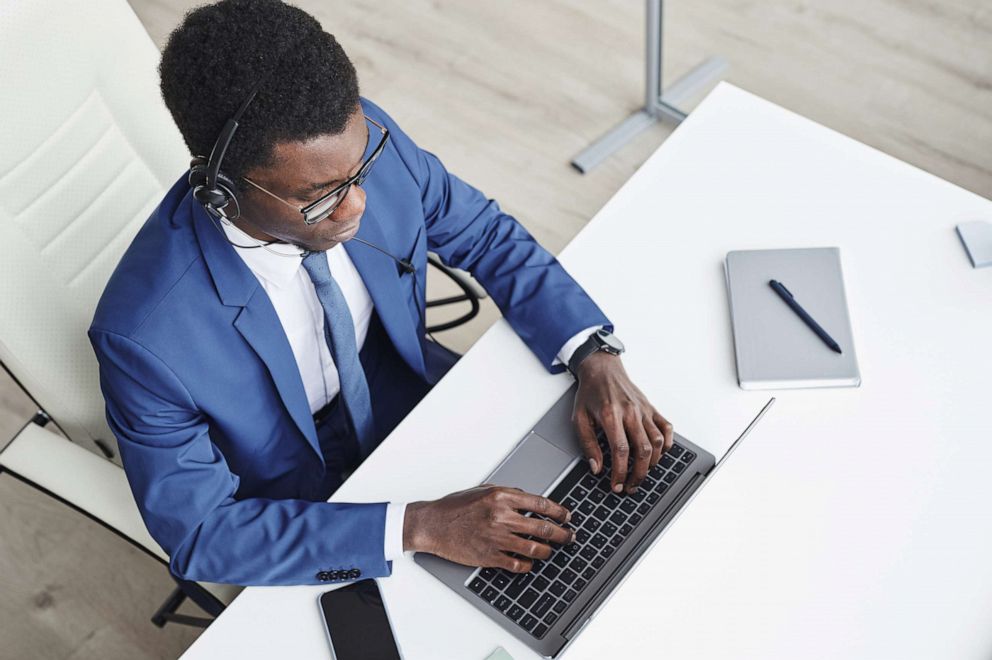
607,399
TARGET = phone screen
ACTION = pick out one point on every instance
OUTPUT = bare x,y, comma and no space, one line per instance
357,623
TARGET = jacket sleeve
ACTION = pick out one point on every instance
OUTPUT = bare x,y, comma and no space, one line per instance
541,302
187,494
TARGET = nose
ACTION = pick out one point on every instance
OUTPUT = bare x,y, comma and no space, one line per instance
351,207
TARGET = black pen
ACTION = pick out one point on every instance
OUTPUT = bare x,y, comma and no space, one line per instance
786,295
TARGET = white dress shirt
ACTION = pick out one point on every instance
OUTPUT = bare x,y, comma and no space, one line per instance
298,308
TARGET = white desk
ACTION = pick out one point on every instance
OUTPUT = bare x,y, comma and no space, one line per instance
854,523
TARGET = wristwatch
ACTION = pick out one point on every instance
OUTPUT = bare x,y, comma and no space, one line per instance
601,340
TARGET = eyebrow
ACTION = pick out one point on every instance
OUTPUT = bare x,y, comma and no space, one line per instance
312,188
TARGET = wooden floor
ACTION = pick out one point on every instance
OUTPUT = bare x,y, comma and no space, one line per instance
505,93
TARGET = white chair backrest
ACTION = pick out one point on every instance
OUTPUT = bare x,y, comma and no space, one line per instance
87,150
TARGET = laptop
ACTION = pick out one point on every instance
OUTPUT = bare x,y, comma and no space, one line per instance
548,607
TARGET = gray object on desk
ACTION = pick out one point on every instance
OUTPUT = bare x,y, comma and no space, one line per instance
977,239
774,348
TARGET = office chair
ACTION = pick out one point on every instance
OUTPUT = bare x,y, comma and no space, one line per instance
89,150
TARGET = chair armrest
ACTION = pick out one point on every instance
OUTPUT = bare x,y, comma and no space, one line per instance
80,478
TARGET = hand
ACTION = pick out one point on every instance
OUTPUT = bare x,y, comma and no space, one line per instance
480,526
609,400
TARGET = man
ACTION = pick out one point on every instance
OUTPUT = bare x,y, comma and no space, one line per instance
252,351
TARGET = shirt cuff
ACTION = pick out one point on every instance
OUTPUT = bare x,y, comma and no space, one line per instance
565,354
395,513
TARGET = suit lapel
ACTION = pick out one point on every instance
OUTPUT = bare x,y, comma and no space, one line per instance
257,322
381,276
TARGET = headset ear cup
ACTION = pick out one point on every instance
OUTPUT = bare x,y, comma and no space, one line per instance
216,197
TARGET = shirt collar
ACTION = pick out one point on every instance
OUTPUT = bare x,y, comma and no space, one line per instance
273,268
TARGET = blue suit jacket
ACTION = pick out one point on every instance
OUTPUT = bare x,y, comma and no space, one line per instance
202,388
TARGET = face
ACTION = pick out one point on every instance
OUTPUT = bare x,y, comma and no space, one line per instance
300,173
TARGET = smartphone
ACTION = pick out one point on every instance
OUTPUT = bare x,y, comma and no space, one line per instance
357,623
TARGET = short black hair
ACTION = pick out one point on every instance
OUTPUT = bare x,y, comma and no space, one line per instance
219,52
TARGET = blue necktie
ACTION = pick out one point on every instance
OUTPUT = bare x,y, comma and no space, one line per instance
339,331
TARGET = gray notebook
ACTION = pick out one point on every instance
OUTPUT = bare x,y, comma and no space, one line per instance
774,348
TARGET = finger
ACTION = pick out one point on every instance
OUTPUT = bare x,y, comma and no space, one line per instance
525,547
542,529
657,438
512,564
586,430
640,450
612,422
536,504
666,429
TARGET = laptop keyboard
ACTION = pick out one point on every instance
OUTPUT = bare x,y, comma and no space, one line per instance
602,519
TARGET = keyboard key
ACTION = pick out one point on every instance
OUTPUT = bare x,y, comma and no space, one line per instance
597,496
588,552
580,584
560,606
612,501
578,564
528,623
577,519
653,497
539,630
670,477
666,461
579,493
625,530
607,550
568,575
636,518
569,595
608,529
543,605
592,524
678,467
618,517
688,457
643,509
561,559
638,495
628,506
569,503
589,573
487,574
489,594
558,588
551,571
518,584
589,481
515,612
550,618
571,548
598,541
661,487
502,603
541,583
501,580
675,451
598,562
477,584
587,507
528,598
601,513
615,541
582,536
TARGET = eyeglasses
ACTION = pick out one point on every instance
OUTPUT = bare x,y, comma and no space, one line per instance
320,209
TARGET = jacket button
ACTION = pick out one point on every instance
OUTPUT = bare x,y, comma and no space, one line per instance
354,574
324,576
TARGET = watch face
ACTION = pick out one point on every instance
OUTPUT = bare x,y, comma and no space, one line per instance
609,342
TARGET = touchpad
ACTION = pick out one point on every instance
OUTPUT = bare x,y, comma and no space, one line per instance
533,466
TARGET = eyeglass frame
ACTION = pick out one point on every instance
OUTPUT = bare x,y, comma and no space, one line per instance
342,190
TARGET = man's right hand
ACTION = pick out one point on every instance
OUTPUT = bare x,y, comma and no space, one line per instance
482,525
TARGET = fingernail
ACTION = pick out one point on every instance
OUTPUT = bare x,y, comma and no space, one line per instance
573,536
632,490
568,516
617,488
593,465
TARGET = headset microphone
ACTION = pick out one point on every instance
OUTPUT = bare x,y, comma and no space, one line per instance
404,265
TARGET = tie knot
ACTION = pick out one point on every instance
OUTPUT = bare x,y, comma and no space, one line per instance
315,263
